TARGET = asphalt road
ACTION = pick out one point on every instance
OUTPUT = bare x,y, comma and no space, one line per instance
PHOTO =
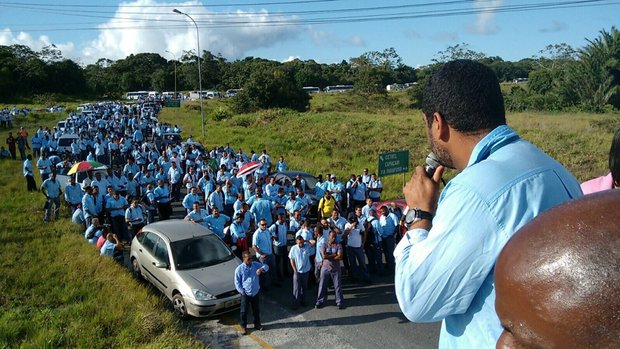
372,319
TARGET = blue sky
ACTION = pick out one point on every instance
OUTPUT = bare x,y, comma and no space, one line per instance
327,31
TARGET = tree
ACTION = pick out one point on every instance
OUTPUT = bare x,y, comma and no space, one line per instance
270,86
458,51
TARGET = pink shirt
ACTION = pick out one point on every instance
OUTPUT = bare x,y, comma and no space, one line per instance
597,184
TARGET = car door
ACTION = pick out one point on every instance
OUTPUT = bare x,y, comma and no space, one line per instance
147,259
161,269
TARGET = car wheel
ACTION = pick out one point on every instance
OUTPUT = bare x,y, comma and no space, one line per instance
135,268
178,303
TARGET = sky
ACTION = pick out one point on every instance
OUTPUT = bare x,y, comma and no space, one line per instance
327,31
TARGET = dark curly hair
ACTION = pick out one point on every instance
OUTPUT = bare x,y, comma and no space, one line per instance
467,94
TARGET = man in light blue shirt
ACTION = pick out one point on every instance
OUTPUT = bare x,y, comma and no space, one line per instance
51,189
445,262
216,221
190,198
261,243
262,209
279,231
247,283
73,194
300,262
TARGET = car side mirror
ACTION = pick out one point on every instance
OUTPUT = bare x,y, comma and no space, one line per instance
162,265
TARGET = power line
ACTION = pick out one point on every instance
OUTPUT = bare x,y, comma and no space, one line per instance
219,23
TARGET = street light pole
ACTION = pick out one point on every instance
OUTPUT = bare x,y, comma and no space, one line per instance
202,112
175,73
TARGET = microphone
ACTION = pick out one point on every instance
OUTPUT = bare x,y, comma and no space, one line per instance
431,164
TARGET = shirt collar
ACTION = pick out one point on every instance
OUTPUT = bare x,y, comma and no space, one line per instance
494,140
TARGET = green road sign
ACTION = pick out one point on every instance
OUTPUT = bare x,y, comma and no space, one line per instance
393,163
173,103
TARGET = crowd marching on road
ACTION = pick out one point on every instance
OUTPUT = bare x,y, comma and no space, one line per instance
148,169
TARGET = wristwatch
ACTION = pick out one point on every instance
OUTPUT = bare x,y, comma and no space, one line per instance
415,214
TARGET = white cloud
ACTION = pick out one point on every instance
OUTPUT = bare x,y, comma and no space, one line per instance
485,20
291,58
230,34
142,26
7,38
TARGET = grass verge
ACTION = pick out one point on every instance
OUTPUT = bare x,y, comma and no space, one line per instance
56,292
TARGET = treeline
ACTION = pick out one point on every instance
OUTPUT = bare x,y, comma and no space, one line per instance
561,78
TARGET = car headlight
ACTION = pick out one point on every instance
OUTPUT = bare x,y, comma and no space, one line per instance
201,295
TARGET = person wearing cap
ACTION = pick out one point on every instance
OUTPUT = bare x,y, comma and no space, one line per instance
299,257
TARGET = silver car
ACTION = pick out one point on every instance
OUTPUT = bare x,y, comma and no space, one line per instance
191,265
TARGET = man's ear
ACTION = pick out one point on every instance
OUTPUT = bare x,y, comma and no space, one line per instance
440,127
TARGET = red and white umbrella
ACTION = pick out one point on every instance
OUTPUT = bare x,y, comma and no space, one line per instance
249,168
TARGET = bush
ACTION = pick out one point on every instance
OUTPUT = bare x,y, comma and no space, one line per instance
220,114
244,120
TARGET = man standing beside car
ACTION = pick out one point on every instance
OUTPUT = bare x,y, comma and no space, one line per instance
248,285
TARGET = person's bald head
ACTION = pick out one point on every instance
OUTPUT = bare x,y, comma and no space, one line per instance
558,279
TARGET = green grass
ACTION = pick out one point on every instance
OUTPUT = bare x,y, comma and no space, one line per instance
55,291
345,142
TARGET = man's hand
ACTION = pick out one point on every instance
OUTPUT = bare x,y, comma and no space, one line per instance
259,271
423,192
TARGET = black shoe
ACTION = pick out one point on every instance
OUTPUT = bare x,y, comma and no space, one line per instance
244,331
318,306
258,327
294,306
303,304
341,306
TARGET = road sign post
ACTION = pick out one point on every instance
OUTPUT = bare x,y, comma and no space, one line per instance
394,163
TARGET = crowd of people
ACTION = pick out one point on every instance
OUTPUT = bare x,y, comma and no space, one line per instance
146,174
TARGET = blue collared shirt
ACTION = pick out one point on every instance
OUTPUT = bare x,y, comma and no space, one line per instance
262,239
216,224
506,183
246,280
73,194
279,231
301,257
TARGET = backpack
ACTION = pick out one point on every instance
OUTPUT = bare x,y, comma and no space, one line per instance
370,234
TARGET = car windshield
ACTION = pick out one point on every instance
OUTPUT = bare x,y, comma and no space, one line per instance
200,252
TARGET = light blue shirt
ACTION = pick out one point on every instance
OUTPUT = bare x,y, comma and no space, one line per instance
388,224
307,235
262,239
279,231
117,207
27,169
246,280
262,209
88,205
202,215
162,194
447,273
189,199
132,213
51,188
318,258
73,194
301,257
237,231
216,224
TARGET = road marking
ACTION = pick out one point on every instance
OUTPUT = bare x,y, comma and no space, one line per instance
258,340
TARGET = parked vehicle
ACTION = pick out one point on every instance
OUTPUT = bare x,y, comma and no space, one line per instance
309,190
189,264
64,142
